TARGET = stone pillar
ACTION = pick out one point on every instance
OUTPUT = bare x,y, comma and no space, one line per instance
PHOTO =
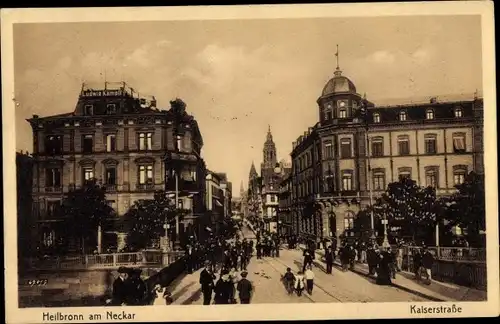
324,220
120,240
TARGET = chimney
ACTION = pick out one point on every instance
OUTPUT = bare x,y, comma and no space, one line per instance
35,116
433,100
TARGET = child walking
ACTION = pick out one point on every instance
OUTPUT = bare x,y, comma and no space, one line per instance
299,283
309,276
289,279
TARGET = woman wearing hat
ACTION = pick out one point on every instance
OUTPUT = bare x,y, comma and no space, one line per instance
223,289
121,287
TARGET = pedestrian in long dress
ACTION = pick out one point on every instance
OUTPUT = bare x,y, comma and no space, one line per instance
161,295
245,289
384,270
223,289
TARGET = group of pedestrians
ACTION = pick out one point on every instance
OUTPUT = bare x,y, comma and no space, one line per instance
237,254
226,288
267,246
298,282
130,289
232,280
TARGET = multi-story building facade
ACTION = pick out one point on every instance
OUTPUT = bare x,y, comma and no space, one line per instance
26,224
214,201
435,143
285,205
127,144
227,190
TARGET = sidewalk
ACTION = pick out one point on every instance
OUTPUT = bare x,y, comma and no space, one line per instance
436,291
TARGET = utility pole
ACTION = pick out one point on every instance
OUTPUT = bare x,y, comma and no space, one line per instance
177,241
364,116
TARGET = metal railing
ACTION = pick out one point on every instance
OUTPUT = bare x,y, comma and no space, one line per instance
106,261
452,253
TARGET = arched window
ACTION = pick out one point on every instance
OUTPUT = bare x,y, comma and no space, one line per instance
332,224
429,114
402,115
376,117
458,112
348,220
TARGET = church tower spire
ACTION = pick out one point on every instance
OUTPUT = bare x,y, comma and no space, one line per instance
253,172
242,189
269,150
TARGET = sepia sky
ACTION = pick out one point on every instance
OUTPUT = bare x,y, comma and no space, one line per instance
238,76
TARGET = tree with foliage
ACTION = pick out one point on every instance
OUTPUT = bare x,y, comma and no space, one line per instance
84,210
363,224
147,217
410,207
466,208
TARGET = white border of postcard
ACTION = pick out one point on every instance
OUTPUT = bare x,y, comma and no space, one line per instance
253,312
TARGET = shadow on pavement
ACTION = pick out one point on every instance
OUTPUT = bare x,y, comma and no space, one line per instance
177,281
182,291
193,298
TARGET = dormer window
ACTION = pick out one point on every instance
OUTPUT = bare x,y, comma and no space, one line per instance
110,109
88,110
328,111
429,114
458,112
376,117
342,113
402,115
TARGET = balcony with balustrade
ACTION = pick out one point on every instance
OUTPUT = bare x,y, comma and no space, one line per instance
145,186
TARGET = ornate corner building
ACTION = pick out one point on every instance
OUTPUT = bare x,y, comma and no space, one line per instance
128,145
435,143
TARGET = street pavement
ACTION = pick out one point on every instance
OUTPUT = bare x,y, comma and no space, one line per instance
265,274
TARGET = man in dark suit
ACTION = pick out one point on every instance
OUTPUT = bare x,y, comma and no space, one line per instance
121,287
329,258
189,258
245,288
207,278
308,258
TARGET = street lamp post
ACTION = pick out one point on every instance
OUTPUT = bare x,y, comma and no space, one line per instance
385,243
166,247
177,230
363,112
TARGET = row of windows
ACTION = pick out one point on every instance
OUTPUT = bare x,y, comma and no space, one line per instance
54,143
377,146
88,110
145,175
429,115
402,116
379,180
